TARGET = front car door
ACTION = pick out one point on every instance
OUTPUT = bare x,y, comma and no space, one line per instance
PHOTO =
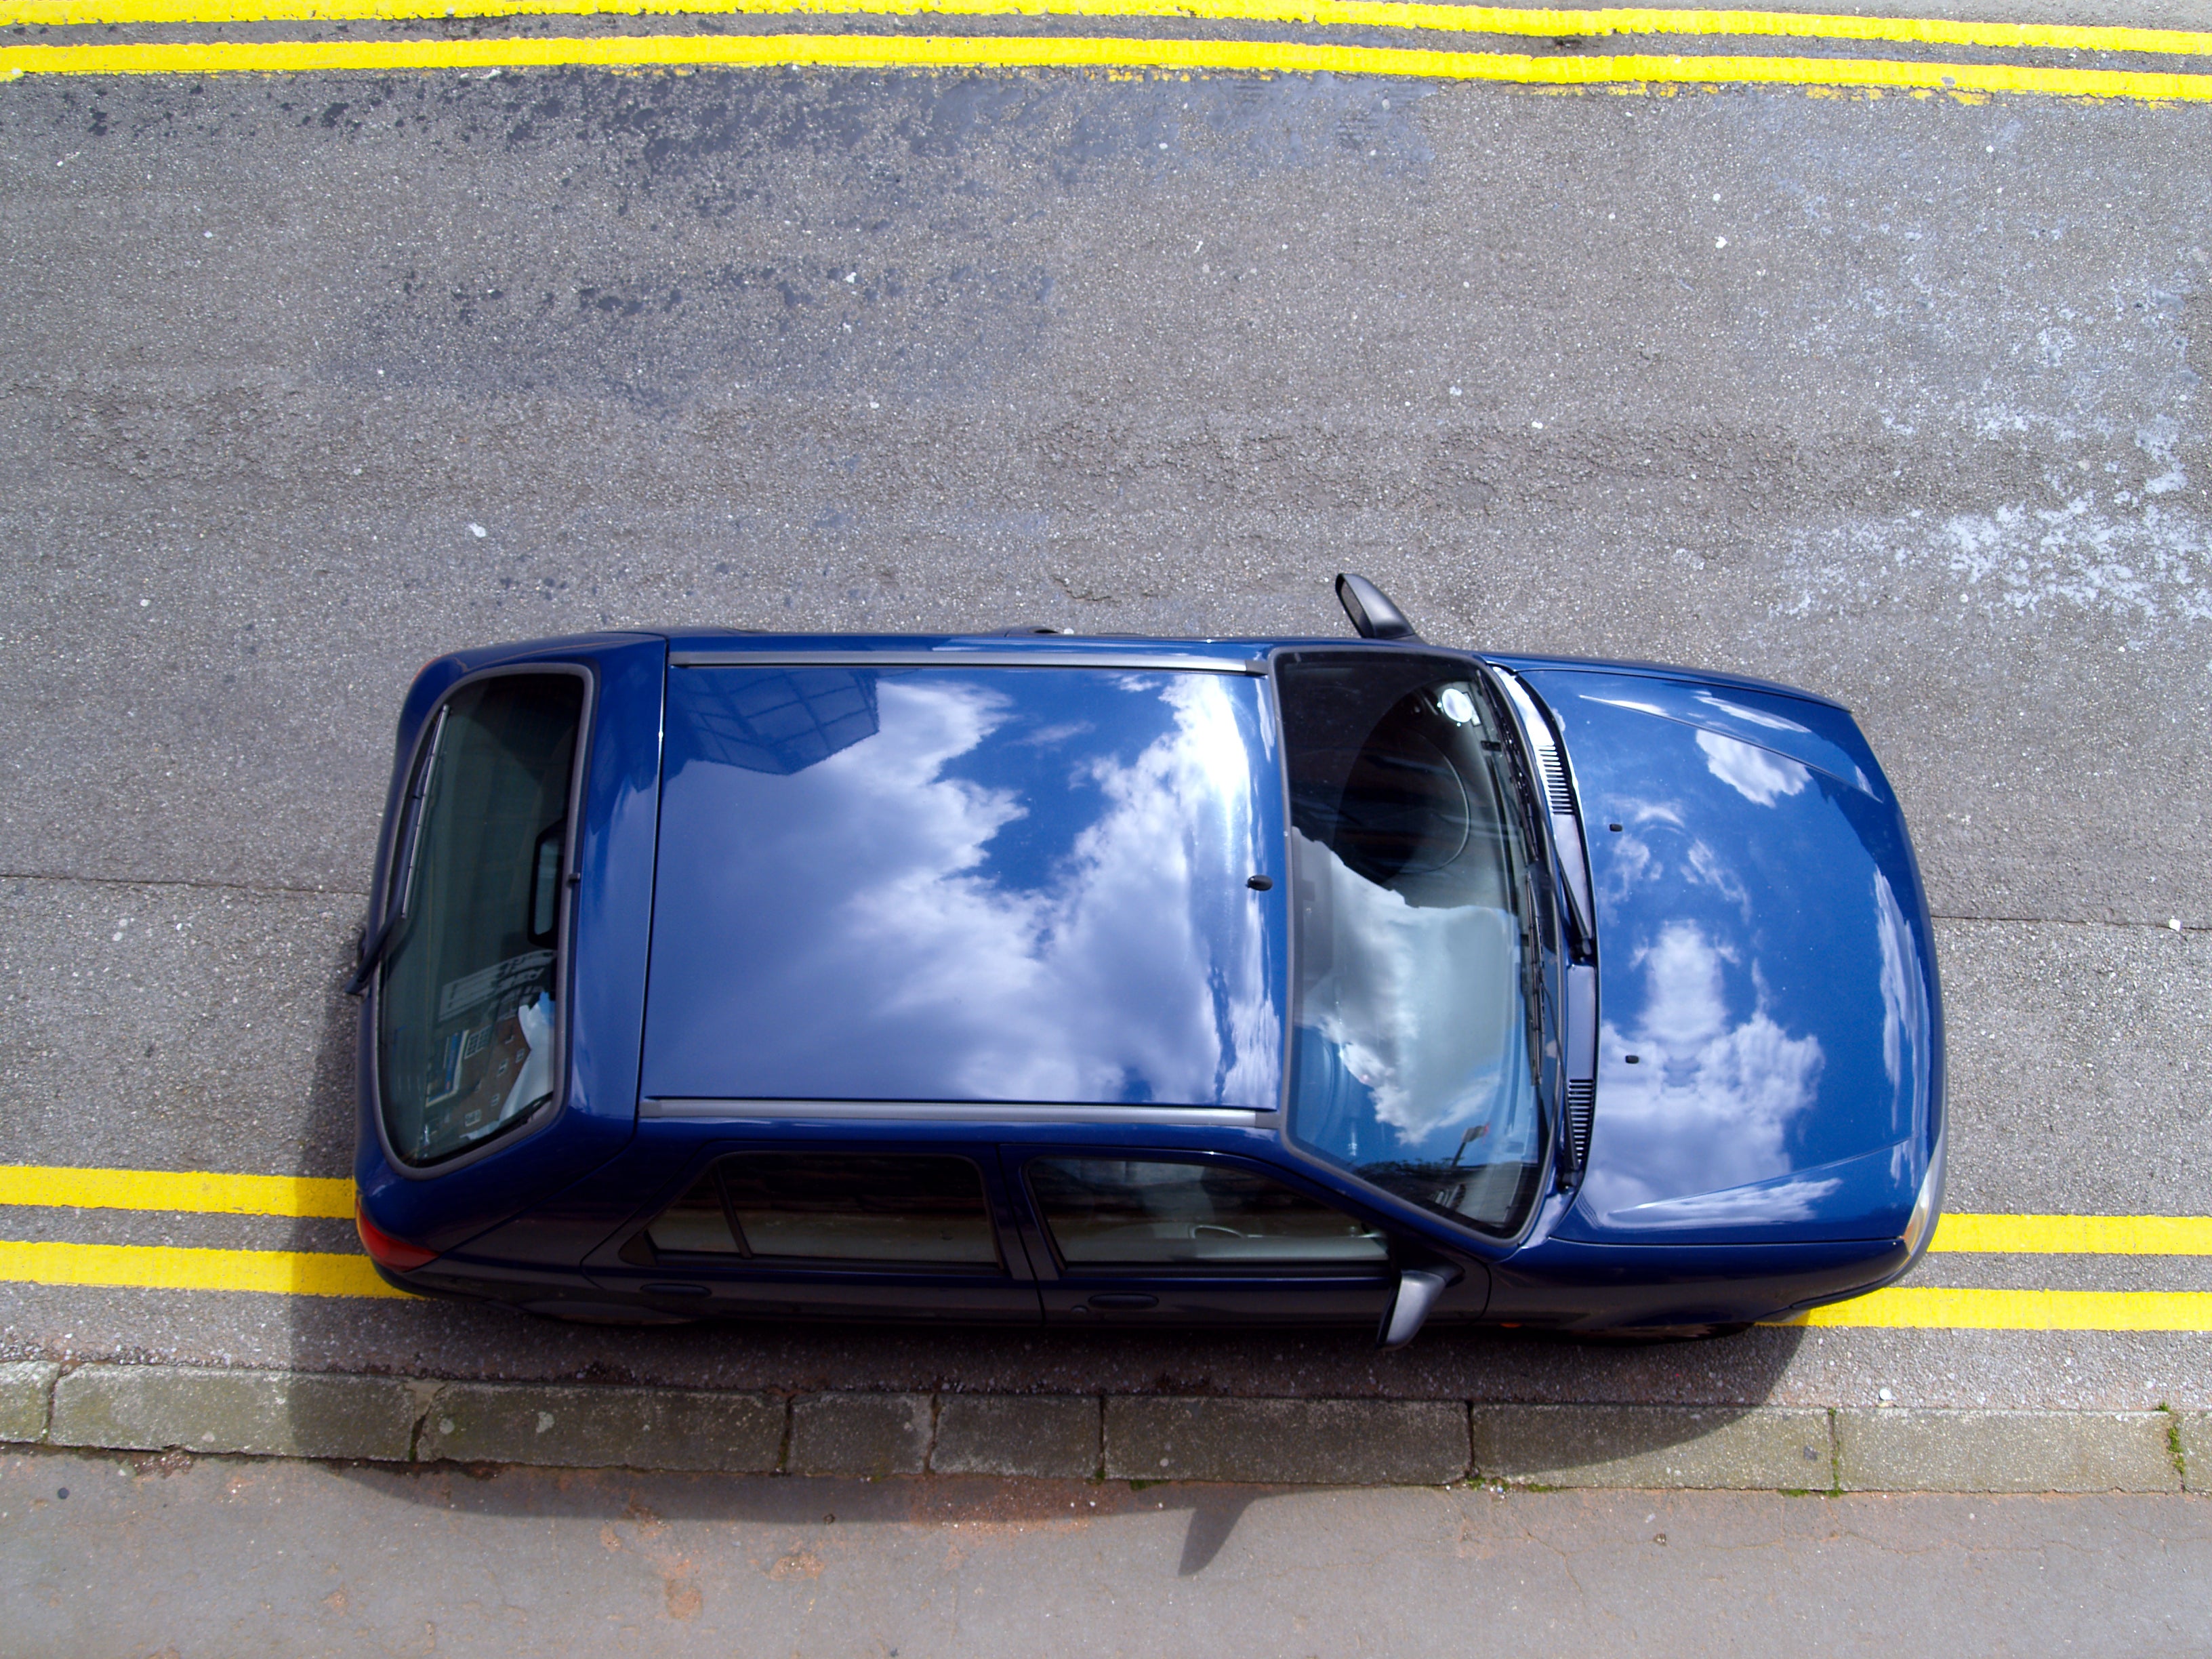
1119,1237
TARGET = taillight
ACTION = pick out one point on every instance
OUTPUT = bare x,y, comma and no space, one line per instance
384,1249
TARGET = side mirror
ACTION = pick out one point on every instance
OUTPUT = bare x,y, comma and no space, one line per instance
1373,616
1418,1290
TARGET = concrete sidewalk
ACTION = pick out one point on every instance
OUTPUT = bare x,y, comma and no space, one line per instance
1138,1438
102,1554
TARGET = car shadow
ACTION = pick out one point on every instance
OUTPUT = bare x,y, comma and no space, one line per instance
815,1505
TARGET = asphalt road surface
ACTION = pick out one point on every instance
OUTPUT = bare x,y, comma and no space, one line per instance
310,377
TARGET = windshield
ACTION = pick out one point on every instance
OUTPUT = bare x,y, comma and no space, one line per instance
1417,958
465,1015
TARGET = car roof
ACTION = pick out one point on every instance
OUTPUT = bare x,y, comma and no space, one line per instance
921,870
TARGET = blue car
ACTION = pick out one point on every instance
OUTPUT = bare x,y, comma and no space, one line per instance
1039,980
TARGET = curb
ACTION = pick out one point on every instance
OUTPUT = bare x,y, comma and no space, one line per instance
1140,1438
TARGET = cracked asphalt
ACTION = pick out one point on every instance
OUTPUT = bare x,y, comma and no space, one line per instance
308,379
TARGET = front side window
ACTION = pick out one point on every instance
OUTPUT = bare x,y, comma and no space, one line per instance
1418,961
892,1209
1147,1212
466,1015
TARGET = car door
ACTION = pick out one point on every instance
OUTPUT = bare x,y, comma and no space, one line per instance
834,1231
1120,1236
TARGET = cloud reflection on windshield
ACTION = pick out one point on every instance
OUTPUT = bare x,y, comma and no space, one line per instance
1421,1001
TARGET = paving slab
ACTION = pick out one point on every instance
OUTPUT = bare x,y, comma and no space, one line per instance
26,1388
2194,1431
604,1427
866,1434
1052,1436
262,1414
1892,1450
1304,1442
1767,1448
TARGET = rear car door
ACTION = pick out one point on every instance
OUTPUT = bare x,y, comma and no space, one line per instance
1120,1236
834,1231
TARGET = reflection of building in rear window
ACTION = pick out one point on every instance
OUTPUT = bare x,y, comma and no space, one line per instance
895,1210
782,720
1130,1213
465,1011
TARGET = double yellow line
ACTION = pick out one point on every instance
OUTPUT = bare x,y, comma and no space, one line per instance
167,1267
1124,53
314,1272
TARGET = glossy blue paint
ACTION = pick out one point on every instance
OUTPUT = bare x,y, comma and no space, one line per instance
968,883
608,930
1769,1052
1763,943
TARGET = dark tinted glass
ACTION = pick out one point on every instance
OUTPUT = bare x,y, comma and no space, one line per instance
1131,1212
695,1223
859,1208
466,1011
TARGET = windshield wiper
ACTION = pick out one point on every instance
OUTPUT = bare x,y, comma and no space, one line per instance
1557,825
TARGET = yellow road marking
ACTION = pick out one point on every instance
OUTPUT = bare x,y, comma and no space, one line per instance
1357,13
2075,1235
312,1273
1915,1307
195,1191
308,1273
987,52
164,1267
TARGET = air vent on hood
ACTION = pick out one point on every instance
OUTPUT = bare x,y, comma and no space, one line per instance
1556,791
1582,1110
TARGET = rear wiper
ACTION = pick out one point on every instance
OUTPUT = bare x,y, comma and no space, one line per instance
376,949
373,951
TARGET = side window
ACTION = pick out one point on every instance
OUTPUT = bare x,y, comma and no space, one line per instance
465,1010
895,1209
1126,1212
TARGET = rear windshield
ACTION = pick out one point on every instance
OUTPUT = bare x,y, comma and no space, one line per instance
466,1013
1416,952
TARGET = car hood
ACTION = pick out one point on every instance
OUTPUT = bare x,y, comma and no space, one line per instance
1769,1059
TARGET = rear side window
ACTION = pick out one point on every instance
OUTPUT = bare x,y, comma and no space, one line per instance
900,1210
1126,1212
466,1015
